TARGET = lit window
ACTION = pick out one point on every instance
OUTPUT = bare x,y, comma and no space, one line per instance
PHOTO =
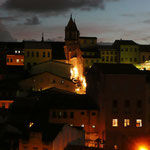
21,60
71,125
115,147
60,114
17,60
31,124
93,126
82,125
126,122
15,52
19,52
138,122
115,122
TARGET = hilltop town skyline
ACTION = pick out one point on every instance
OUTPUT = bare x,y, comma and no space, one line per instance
106,20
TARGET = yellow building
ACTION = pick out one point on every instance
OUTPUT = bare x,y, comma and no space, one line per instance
85,42
128,51
108,54
36,52
144,53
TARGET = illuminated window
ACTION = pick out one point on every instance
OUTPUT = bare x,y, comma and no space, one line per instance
93,126
15,52
21,60
17,60
31,124
60,114
82,125
115,122
126,122
19,52
138,122
115,147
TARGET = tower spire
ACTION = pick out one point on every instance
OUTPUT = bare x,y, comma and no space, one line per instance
42,37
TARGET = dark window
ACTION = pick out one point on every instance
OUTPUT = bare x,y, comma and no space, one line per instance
111,58
84,41
130,49
111,52
37,54
82,113
7,60
28,53
43,54
72,115
149,57
135,49
35,148
127,103
107,58
11,60
92,61
115,104
54,81
139,104
93,113
65,114
32,54
143,58
53,114
135,59
103,58
130,59
107,53
48,54
34,63
126,49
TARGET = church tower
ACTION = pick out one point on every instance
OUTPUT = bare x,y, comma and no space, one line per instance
71,32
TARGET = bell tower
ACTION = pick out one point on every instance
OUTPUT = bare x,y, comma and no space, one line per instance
71,32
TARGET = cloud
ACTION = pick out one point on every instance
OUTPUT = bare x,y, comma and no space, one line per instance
147,21
128,15
53,6
8,18
32,21
5,35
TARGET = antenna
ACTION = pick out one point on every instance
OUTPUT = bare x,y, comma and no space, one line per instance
42,37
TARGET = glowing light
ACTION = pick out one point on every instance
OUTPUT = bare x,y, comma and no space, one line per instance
142,148
31,124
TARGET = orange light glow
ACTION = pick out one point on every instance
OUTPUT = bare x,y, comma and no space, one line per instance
79,80
142,148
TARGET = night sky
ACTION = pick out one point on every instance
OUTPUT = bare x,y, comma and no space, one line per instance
108,20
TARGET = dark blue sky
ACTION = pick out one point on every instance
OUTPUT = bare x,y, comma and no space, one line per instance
108,20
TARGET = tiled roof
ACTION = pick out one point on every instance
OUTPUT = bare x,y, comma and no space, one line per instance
124,42
54,98
145,48
115,68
